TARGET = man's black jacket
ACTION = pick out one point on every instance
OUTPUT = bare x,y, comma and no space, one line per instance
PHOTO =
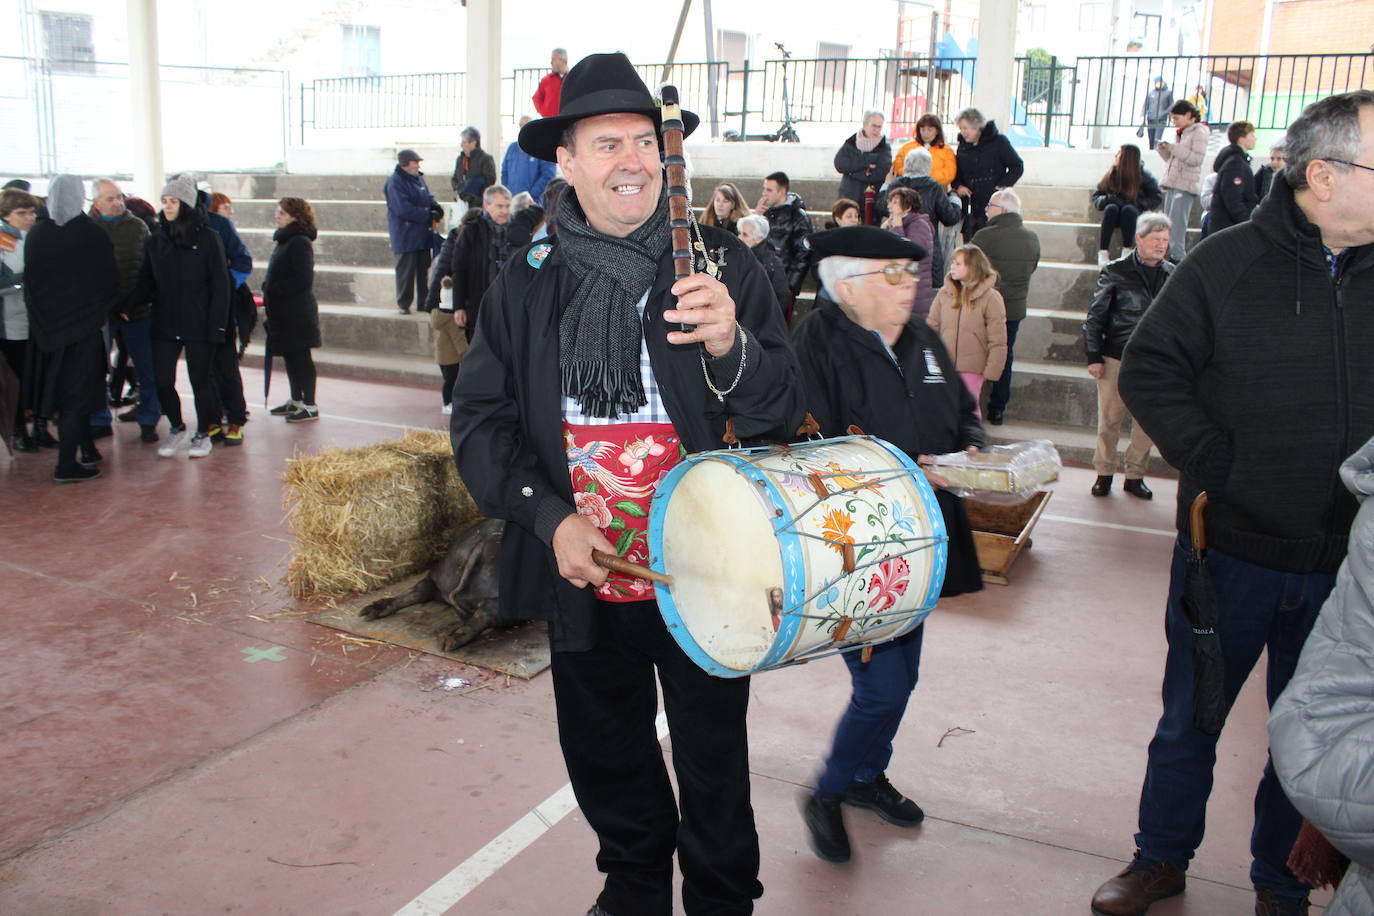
788,227
507,425
1254,374
1125,289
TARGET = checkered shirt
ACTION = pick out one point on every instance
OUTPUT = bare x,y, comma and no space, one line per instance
653,410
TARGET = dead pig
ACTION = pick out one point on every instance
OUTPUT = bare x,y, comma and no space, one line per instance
466,578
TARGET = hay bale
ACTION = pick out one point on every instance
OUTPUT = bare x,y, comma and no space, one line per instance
366,517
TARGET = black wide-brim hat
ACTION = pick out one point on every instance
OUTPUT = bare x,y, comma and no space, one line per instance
600,84
864,242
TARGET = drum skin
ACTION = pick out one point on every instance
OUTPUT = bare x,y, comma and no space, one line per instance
758,556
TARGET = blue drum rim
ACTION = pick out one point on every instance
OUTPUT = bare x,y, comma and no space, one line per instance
672,617
938,531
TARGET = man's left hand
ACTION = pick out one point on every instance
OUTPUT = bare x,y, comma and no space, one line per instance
702,300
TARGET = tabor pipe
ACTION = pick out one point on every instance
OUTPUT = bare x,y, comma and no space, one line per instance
676,163
617,564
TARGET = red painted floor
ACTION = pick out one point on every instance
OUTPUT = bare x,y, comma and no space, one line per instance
175,738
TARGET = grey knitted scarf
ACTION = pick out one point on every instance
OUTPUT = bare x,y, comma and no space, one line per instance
600,331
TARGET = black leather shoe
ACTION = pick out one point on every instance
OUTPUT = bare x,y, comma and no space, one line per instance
1103,485
825,824
76,475
147,432
1268,903
880,796
43,437
1137,488
90,456
995,417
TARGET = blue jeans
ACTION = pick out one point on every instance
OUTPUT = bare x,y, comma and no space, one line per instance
1258,609
138,340
1001,389
881,688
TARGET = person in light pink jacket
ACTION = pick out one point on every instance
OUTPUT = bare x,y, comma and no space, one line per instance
1183,172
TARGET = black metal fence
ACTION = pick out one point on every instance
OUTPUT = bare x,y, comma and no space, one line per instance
1053,101
1270,90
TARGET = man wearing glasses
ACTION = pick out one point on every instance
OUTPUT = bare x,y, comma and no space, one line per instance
1253,371
866,363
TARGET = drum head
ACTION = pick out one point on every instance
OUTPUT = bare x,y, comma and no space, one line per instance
719,545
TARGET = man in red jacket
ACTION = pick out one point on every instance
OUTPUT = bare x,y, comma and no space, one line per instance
551,86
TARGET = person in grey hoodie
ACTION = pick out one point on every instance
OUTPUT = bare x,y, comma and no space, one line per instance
1322,726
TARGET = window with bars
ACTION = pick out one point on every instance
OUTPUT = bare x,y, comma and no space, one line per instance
362,50
67,42
831,66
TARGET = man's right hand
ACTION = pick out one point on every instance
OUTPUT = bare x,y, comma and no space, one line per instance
460,318
963,191
1096,369
573,542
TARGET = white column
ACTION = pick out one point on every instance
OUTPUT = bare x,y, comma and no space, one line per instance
992,90
482,79
145,90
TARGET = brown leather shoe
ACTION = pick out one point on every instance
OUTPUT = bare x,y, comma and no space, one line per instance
1103,485
1267,903
1138,886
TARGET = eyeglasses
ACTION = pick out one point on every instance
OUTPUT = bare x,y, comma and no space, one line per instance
895,273
1367,168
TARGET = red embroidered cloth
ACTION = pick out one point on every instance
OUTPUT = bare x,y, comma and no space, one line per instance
615,470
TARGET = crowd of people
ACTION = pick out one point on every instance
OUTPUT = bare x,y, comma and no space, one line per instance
84,346
1244,360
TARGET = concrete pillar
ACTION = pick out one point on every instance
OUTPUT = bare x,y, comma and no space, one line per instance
145,90
992,89
482,79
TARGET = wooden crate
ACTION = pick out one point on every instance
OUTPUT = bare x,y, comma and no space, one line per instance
1001,532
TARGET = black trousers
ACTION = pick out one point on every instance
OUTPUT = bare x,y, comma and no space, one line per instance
300,375
16,354
228,384
200,359
1115,217
607,700
412,277
450,373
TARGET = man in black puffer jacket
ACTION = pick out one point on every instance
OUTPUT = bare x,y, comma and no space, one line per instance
1253,371
986,162
1234,196
788,227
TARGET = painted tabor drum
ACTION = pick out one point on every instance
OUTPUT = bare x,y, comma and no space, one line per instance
785,553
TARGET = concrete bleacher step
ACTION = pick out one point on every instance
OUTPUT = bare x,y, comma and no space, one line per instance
317,187
331,215
362,249
374,287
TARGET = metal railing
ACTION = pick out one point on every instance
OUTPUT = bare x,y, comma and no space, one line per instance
1054,101
1269,90
56,116
406,100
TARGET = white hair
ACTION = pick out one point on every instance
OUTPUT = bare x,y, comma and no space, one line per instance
493,191
1151,222
871,112
917,163
756,225
520,201
973,116
1007,199
837,267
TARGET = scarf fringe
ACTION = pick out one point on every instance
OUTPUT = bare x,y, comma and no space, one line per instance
602,391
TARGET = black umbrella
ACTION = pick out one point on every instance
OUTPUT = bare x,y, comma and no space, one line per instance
266,372
9,402
1200,604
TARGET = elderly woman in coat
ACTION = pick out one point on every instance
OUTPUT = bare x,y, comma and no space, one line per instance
1322,726
864,160
867,361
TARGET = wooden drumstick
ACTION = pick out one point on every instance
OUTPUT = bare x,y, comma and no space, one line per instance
616,564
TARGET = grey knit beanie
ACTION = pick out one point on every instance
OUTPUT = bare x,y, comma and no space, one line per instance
183,188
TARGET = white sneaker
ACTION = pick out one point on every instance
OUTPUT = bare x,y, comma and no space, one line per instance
1103,259
200,446
175,439
448,410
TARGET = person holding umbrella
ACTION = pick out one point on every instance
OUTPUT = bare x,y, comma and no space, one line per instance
1250,372
293,316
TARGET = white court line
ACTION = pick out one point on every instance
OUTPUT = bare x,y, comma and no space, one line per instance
440,896
337,416
1096,524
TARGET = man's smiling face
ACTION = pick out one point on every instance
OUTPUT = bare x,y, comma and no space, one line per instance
614,167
